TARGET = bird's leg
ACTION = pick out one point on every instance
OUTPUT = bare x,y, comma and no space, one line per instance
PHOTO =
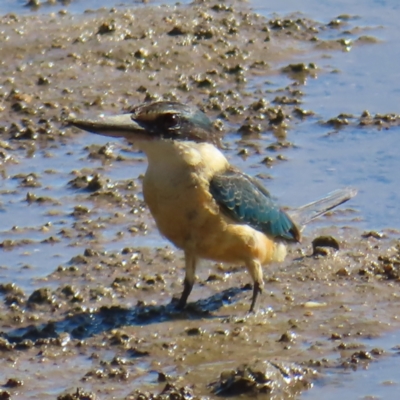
255,270
257,289
190,267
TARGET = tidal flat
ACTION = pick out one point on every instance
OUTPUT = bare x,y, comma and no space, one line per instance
86,281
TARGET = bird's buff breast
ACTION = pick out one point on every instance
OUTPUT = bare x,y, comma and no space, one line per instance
175,189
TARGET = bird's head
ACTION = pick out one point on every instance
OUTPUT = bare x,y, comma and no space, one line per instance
163,120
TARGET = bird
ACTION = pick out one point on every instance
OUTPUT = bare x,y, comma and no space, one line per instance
200,202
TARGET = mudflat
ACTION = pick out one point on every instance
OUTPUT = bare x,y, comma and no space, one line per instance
95,318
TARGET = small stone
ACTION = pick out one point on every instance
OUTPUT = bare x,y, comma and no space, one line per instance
325,241
194,331
14,382
287,337
40,296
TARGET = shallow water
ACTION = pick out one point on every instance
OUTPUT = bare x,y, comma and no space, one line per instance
32,262
72,6
368,79
377,380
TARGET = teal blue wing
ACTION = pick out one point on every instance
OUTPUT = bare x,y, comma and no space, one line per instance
246,201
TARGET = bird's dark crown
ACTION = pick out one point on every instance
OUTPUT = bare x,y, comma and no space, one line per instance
173,120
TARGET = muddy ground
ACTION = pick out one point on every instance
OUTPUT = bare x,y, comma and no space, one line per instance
103,325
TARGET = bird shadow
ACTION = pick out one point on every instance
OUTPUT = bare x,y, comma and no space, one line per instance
86,324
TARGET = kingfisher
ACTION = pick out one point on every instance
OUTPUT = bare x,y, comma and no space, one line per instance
200,202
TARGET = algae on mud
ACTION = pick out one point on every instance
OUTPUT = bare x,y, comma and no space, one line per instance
102,320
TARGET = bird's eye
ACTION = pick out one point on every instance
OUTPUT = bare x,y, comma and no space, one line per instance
168,121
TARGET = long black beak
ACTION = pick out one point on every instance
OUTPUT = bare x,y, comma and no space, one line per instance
114,126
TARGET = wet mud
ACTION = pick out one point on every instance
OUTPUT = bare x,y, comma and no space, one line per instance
98,318
109,325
